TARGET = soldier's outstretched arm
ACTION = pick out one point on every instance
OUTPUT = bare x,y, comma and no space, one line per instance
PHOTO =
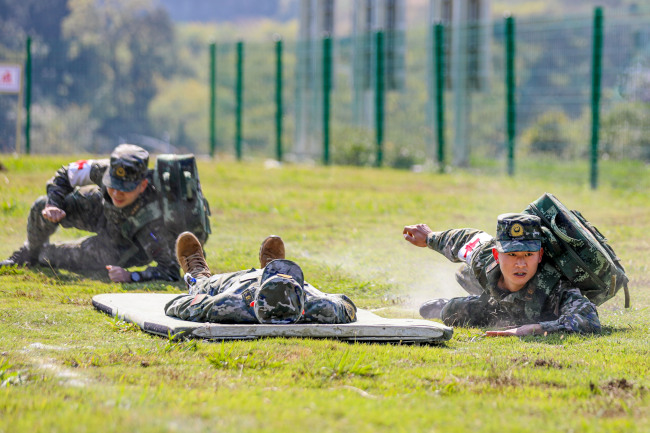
577,314
457,245
531,329
417,234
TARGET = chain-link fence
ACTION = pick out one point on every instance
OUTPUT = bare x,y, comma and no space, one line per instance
129,92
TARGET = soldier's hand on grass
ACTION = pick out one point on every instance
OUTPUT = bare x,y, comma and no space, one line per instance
53,213
417,234
517,332
118,274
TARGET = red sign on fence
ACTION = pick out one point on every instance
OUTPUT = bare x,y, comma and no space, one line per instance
10,77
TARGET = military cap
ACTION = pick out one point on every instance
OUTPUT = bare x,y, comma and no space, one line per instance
518,232
127,169
281,297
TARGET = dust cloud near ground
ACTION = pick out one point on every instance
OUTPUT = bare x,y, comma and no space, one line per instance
415,274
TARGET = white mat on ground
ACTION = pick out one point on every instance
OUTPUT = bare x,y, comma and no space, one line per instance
147,310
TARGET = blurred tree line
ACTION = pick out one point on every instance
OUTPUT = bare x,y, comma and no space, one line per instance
94,66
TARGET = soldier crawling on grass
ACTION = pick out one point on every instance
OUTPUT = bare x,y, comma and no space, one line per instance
513,286
274,294
109,198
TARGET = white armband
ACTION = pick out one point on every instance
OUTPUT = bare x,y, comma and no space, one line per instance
79,172
466,251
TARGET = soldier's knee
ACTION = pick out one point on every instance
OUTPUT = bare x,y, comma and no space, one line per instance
455,313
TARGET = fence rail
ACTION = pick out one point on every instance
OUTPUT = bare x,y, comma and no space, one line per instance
575,88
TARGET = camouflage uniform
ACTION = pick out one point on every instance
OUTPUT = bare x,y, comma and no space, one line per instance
547,299
229,298
79,189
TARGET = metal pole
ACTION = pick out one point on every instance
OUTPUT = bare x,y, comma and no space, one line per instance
239,89
28,94
595,93
439,44
327,71
510,93
19,109
379,96
460,91
278,99
213,98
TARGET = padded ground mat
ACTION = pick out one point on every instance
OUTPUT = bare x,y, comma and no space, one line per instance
147,310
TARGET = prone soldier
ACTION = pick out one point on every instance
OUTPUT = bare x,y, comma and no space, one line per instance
108,198
519,289
274,294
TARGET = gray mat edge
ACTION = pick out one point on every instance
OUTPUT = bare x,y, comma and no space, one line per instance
411,330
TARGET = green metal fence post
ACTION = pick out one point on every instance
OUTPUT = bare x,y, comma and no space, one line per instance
28,94
327,84
439,44
278,99
379,96
510,93
595,93
213,98
239,89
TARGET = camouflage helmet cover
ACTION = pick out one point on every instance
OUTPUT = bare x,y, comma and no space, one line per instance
281,298
518,232
127,169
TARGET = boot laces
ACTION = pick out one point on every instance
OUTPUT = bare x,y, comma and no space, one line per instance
196,263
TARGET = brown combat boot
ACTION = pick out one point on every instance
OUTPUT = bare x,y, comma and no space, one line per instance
189,254
272,248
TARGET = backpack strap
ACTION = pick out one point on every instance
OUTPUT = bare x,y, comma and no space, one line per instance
145,215
133,224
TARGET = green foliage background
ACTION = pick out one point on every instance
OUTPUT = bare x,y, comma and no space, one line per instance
122,70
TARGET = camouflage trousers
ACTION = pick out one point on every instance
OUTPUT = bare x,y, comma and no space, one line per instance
84,211
476,311
227,298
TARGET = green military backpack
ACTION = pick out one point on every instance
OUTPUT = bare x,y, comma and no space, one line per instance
579,250
183,206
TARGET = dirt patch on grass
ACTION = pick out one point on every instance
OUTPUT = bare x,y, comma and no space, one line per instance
619,388
539,362
548,363
622,384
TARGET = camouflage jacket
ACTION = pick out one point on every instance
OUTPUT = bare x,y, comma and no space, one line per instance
152,242
548,298
227,298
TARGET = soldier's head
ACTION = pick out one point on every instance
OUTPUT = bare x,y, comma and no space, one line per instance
518,248
126,178
281,297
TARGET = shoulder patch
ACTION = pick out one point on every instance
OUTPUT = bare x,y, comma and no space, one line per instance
466,251
79,172
351,312
247,295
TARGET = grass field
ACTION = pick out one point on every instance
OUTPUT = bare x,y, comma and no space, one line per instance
65,367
